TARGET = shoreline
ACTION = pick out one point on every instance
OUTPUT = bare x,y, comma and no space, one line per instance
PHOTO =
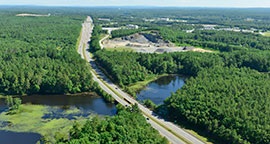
136,87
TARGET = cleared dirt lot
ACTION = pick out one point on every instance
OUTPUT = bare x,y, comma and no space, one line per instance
149,42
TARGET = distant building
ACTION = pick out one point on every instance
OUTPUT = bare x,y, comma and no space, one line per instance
209,27
131,26
164,19
104,19
190,31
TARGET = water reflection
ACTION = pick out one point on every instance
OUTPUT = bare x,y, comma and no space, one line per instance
7,137
57,107
159,90
83,105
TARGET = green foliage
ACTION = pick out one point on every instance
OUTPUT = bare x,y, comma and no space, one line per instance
128,126
13,103
230,103
107,97
223,101
150,104
94,43
219,40
122,66
128,67
38,55
258,60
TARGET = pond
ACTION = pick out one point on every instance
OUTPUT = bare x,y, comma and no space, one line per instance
87,104
8,137
159,90
57,107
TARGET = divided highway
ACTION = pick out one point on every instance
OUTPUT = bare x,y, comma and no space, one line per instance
167,129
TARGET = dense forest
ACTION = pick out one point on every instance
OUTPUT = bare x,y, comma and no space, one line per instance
218,40
231,103
222,97
128,67
128,126
38,55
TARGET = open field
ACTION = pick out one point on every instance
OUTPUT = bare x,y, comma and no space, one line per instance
267,34
119,49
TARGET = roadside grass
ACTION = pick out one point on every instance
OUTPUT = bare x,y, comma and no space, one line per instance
120,49
204,139
78,40
175,134
267,34
29,119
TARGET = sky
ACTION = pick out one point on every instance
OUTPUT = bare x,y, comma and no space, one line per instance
174,3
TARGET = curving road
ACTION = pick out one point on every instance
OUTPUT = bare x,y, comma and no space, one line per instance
109,30
167,129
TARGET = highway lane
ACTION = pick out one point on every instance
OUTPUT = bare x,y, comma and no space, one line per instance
172,132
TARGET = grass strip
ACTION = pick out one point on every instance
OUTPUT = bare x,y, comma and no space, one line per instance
174,133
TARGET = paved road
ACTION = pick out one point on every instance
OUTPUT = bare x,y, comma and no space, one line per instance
100,41
109,30
172,132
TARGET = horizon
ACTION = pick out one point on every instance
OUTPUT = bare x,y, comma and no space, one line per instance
141,3
133,6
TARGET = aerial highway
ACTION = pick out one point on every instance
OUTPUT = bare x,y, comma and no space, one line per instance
172,132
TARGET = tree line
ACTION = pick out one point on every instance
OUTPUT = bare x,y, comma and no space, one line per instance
126,68
125,32
225,41
38,56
